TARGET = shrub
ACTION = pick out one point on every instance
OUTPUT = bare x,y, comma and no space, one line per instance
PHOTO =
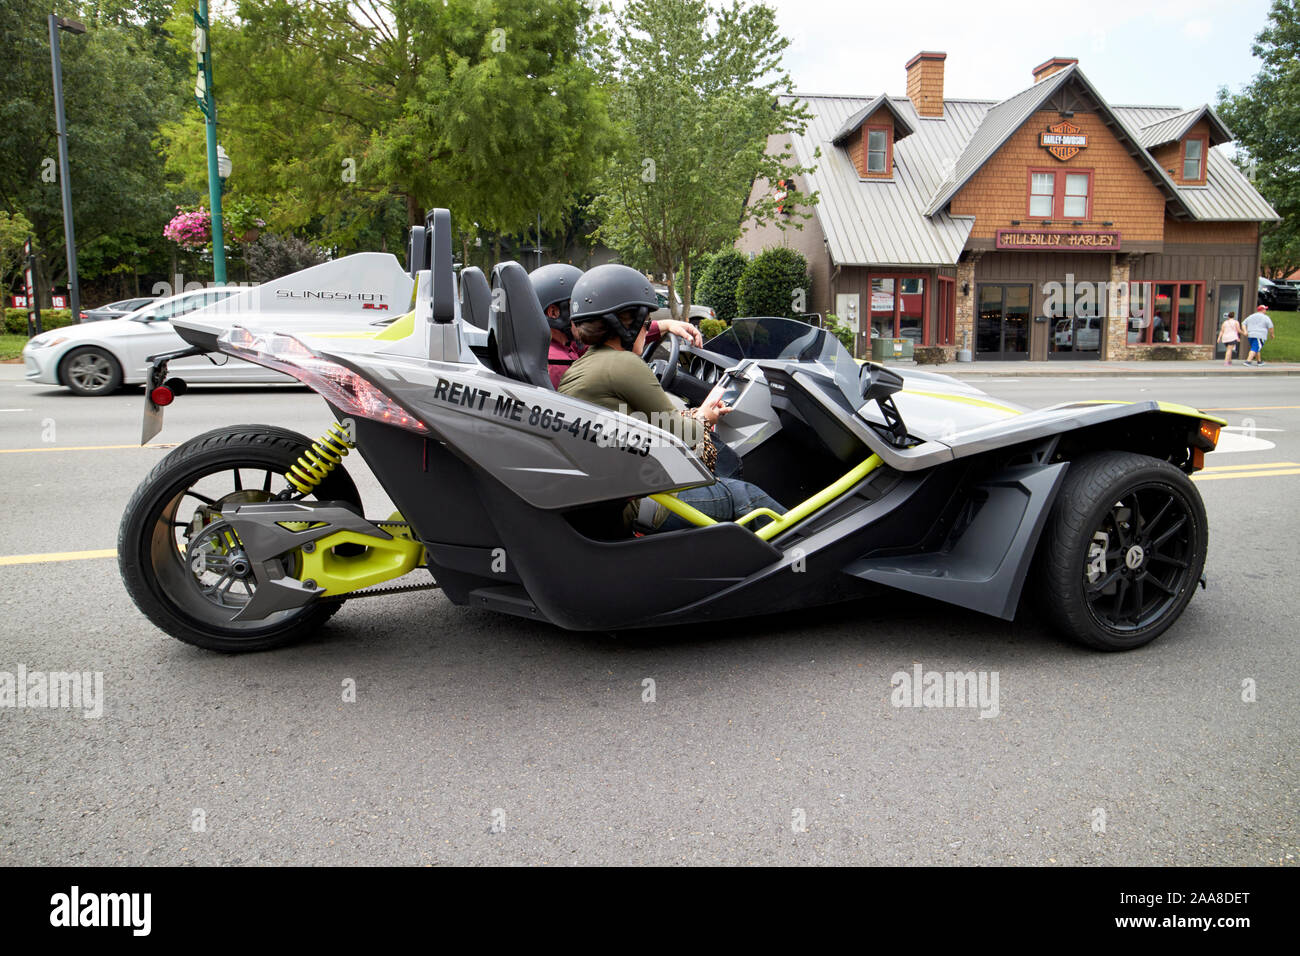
16,320
929,355
272,256
716,286
712,327
771,282
840,331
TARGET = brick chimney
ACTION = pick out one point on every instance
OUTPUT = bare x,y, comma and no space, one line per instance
925,83
1055,65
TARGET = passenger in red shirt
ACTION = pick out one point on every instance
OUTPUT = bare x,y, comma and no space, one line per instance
554,287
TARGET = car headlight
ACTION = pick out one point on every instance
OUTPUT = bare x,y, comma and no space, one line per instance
42,342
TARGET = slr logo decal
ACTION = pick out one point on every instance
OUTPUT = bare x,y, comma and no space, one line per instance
1063,140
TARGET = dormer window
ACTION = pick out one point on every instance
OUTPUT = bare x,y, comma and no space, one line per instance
1194,159
878,150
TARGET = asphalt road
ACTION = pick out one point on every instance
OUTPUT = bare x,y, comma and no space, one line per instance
476,738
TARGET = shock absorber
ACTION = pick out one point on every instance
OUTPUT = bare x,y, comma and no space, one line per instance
320,459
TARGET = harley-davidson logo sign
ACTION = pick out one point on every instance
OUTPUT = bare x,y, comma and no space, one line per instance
1063,140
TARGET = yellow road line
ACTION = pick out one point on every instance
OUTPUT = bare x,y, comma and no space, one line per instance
52,556
1247,474
16,451
1258,464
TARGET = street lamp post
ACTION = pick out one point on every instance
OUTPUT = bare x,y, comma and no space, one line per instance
61,122
208,106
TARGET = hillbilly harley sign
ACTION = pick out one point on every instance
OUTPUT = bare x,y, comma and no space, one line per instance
1063,241
1063,140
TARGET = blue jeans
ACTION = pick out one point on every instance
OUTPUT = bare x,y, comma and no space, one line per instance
725,500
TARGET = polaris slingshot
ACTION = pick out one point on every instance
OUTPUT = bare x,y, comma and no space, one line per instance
509,493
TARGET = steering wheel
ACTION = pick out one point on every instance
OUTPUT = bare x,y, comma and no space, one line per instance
665,369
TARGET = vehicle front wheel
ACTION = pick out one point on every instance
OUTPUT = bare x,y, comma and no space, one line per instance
1122,552
91,371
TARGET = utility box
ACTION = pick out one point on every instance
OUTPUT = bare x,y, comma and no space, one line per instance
883,350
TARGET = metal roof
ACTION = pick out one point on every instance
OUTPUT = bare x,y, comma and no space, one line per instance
905,221
901,126
1227,195
884,221
1172,128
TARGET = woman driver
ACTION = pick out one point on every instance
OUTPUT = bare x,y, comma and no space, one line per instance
608,311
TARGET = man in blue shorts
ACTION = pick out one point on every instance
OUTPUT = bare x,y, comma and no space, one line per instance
1259,329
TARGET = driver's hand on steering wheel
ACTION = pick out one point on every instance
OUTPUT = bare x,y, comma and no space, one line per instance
683,330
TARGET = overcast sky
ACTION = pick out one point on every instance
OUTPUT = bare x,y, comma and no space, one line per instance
1153,52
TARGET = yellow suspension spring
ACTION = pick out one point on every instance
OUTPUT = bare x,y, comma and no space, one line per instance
320,459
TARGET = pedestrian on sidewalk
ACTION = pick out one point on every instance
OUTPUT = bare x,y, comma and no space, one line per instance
1229,335
1259,329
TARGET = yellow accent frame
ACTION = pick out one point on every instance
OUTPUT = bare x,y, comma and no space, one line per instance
780,523
381,561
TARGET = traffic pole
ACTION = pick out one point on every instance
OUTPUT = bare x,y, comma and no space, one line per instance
208,106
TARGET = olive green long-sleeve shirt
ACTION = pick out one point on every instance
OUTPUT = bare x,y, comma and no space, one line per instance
621,382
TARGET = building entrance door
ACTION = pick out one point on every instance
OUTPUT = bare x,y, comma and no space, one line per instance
1002,322
1229,301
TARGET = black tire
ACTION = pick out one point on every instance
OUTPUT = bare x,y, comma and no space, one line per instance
156,574
91,371
1152,522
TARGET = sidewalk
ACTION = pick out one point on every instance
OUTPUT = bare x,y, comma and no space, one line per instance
1099,369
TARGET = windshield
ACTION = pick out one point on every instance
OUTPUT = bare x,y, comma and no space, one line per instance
790,339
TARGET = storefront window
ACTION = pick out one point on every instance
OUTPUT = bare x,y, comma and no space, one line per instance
1165,312
1187,312
882,308
898,307
1042,190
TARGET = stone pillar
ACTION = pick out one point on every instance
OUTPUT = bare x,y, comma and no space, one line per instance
1116,344
965,319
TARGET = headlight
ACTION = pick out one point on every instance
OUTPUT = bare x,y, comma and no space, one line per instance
41,342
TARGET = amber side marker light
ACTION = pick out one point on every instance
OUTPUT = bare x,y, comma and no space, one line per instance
1210,432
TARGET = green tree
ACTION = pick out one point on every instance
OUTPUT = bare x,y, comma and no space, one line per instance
695,92
775,282
14,230
1265,118
116,92
717,287
334,110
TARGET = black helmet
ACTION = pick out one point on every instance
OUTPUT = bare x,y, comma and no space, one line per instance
554,286
607,290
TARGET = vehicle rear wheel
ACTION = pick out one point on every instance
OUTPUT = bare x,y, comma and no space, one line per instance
91,371
164,526
1122,552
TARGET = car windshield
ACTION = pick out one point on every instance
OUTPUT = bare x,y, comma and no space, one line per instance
772,338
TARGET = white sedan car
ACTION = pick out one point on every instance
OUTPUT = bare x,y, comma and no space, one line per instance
99,357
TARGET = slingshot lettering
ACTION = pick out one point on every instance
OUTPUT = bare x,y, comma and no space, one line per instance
74,909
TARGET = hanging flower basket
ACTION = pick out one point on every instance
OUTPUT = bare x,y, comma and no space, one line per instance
190,228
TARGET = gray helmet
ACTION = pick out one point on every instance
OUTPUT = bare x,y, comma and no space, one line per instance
605,291
554,286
